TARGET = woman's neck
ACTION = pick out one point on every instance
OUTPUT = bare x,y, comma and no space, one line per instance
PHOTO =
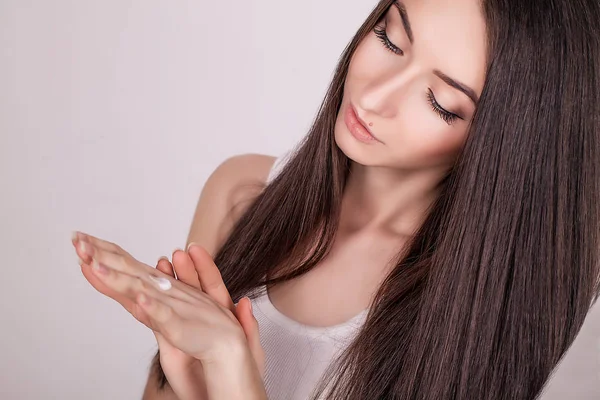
387,199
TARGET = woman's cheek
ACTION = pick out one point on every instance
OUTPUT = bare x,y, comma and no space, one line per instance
442,143
420,139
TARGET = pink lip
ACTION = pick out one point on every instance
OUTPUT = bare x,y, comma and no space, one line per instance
357,127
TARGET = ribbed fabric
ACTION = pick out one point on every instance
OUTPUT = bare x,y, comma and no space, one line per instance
296,355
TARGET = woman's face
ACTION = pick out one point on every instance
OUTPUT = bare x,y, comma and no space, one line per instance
414,82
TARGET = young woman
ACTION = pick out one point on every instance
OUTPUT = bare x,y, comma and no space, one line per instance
436,234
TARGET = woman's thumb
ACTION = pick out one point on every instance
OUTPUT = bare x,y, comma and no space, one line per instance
250,326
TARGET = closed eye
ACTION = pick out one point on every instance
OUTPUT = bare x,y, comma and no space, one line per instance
447,116
387,43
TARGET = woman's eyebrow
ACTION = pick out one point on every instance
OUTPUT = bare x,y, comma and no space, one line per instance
405,22
449,81
457,85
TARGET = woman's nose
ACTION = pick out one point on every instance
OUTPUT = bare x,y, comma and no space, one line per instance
383,96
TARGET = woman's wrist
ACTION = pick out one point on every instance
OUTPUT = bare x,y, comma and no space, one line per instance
188,382
234,376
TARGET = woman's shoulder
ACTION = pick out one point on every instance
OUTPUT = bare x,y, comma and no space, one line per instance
226,194
243,169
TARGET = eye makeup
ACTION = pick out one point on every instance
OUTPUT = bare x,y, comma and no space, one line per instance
387,43
445,115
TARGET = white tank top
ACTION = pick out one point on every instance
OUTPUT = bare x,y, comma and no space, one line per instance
296,355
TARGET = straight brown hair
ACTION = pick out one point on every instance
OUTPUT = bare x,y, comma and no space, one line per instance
495,285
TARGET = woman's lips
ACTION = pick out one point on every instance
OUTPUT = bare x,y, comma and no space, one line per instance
356,127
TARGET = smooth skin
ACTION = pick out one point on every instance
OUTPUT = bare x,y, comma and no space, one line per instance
393,181
224,197
196,268
184,317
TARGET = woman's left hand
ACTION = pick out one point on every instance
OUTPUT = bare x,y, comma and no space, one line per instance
188,318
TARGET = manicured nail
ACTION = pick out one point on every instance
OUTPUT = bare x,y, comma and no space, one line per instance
85,248
74,236
249,303
96,266
190,245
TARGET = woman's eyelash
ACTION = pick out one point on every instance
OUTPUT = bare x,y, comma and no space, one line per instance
382,35
445,115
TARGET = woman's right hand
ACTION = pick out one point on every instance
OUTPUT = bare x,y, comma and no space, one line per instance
183,372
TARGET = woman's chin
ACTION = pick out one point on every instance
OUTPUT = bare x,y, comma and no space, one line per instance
356,151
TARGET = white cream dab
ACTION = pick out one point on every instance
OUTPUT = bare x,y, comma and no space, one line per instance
163,283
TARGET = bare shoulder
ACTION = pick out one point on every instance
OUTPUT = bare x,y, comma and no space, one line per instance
227,193
243,168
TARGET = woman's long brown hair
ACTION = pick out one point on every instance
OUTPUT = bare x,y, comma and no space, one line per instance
497,282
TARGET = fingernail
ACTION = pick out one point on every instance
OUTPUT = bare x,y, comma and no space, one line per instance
249,303
190,245
163,258
85,248
96,266
74,236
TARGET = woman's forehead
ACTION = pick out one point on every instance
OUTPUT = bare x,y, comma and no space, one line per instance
450,35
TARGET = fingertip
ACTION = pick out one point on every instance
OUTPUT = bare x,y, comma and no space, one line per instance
196,248
180,257
175,252
248,307
165,258
249,304
200,256
165,266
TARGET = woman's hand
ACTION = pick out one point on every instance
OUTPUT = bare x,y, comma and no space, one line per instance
183,372
185,317
197,269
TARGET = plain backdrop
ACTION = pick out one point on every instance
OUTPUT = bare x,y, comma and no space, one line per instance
112,116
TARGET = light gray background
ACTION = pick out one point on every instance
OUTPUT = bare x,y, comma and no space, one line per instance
112,115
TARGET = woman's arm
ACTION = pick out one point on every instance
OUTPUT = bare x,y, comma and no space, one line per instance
235,377
223,199
157,388
194,322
